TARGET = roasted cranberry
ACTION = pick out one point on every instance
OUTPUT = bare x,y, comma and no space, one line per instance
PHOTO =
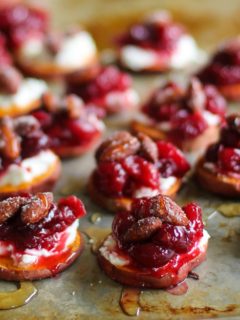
73,204
150,255
230,138
188,127
141,171
109,79
44,118
229,160
171,160
110,178
121,222
233,122
34,143
194,214
215,102
173,237
212,152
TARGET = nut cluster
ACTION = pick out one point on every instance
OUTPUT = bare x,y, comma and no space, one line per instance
71,104
159,209
32,209
122,144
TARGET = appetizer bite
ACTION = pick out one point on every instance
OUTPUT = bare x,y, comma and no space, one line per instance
223,69
110,91
57,54
219,170
190,116
157,44
70,128
131,167
18,95
38,238
155,244
20,21
27,163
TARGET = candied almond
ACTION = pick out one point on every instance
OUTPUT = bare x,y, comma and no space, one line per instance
37,207
50,101
148,147
142,229
196,96
120,145
74,106
10,206
11,145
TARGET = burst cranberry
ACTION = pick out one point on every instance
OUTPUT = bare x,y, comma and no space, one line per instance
215,102
189,127
230,138
109,79
212,152
171,160
73,204
122,221
34,143
142,171
194,214
110,178
150,255
173,237
44,118
229,160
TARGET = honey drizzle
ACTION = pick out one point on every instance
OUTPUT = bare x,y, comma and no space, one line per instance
96,237
230,209
129,301
14,299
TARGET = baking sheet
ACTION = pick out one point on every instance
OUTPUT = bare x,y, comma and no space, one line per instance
84,292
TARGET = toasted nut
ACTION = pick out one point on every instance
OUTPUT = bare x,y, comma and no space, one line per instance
10,79
9,207
142,229
118,146
25,125
11,146
196,97
50,102
148,147
167,210
54,42
37,208
74,106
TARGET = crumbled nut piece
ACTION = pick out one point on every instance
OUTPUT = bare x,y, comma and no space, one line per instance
10,79
11,145
25,125
37,207
142,229
148,147
118,146
74,106
10,206
167,210
196,97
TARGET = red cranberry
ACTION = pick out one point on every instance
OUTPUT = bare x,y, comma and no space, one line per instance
34,143
212,152
150,255
171,160
44,118
110,178
141,171
189,127
121,222
215,102
173,237
194,214
229,160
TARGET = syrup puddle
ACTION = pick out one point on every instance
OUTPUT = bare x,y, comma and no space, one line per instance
179,289
14,299
95,218
96,237
230,209
129,301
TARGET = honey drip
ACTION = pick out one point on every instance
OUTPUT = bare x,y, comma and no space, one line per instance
129,301
14,299
179,289
230,209
96,237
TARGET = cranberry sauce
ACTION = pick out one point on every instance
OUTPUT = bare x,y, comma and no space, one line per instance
224,67
226,153
18,22
165,242
125,176
182,108
109,79
157,35
63,131
42,235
